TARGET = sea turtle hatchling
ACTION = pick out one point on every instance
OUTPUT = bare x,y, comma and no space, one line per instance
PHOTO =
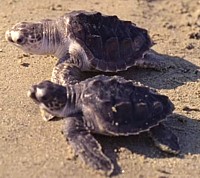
109,106
86,41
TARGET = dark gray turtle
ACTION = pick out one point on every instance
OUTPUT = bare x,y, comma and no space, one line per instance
87,41
109,106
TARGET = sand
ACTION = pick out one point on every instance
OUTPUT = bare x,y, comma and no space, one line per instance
30,147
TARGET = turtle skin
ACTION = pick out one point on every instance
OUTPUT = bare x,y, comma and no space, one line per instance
109,106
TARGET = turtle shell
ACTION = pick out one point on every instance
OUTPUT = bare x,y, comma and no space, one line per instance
116,106
110,44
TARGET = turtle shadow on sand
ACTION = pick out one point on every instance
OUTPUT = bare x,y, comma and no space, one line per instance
186,129
178,72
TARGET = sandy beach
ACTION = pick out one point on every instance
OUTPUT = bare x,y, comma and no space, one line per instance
32,148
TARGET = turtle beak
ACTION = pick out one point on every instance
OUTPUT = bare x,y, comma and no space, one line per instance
8,36
31,93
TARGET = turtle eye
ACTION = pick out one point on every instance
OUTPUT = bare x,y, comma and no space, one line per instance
20,40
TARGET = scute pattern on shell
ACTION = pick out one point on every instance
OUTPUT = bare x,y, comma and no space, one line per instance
110,43
122,107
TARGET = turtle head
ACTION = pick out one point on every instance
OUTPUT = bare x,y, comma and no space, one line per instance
28,36
34,38
50,97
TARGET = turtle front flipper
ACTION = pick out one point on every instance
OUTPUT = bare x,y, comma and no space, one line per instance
165,139
66,73
46,116
85,145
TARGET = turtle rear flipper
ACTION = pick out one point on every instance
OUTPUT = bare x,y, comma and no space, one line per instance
86,146
153,60
165,139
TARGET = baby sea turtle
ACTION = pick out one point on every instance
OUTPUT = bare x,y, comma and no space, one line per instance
87,41
109,106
